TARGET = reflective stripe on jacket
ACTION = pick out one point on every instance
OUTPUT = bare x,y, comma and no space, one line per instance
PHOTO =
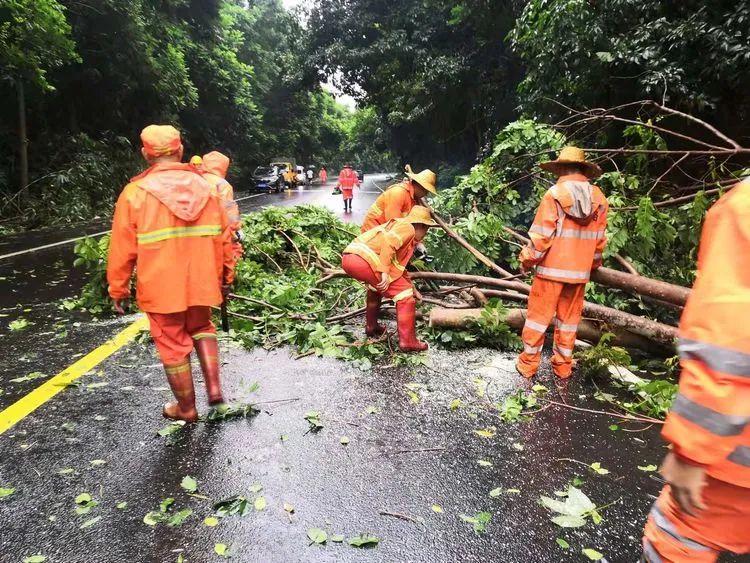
348,178
710,419
568,235
387,248
176,235
394,203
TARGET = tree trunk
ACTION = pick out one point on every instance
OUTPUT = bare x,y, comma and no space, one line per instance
467,278
587,330
663,291
23,141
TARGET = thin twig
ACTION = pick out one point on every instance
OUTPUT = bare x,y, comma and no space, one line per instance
419,450
400,516
625,416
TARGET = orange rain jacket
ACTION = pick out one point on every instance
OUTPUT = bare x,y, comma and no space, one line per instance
394,203
177,235
348,178
386,248
568,234
709,423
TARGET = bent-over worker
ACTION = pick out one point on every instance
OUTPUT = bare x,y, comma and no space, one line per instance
567,240
177,236
397,200
379,258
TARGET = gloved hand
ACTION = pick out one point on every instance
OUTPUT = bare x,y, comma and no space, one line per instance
384,282
226,289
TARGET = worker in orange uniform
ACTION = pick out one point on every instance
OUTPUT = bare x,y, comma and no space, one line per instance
215,166
397,200
705,507
347,180
567,240
177,236
379,258
323,174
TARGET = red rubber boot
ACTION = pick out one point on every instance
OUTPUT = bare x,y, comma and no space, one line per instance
180,380
372,326
207,350
406,318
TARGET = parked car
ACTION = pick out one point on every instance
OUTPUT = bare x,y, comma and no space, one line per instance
268,178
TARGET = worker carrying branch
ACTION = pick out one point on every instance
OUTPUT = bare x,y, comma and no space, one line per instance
705,507
567,241
379,258
178,238
398,200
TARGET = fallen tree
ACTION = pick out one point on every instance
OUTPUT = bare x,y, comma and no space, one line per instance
588,331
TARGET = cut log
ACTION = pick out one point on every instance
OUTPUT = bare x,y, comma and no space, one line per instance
588,331
467,278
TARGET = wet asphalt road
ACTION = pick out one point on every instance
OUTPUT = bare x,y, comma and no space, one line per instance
404,455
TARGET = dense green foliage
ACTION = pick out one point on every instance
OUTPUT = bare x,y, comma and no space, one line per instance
231,76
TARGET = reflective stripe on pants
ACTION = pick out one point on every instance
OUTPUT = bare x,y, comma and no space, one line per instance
549,299
672,536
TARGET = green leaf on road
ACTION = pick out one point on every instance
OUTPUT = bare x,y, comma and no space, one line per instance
494,493
338,538
97,462
83,498
344,440
211,521
35,559
484,463
178,518
89,523
317,535
648,468
488,432
479,520
256,488
562,543
165,504
189,484
171,428
152,518
436,508
289,508
597,467
236,505
566,521
260,503
122,505
222,550
19,324
592,554
6,491
363,540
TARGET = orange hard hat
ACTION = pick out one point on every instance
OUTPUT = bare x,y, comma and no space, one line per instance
161,140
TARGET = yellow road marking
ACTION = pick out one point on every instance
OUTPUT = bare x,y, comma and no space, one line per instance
29,403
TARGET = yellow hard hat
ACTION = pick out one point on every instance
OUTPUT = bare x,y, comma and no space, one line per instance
420,215
196,160
426,178
572,155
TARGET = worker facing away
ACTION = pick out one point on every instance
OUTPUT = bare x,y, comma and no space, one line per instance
215,166
347,180
178,238
398,200
705,507
567,240
323,175
379,258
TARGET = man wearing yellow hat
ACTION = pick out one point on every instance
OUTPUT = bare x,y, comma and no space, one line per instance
178,238
398,200
378,258
567,240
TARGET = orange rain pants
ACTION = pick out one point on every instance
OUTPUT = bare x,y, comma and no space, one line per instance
174,333
551,299
671,536
400,289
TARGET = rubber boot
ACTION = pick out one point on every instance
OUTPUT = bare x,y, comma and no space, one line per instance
406,318
207,350
180,379
372,326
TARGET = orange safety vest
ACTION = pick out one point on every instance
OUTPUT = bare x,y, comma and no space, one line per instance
569,231
387,248
395,202
710,419
177,236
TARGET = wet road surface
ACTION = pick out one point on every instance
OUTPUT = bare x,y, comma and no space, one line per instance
410,469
